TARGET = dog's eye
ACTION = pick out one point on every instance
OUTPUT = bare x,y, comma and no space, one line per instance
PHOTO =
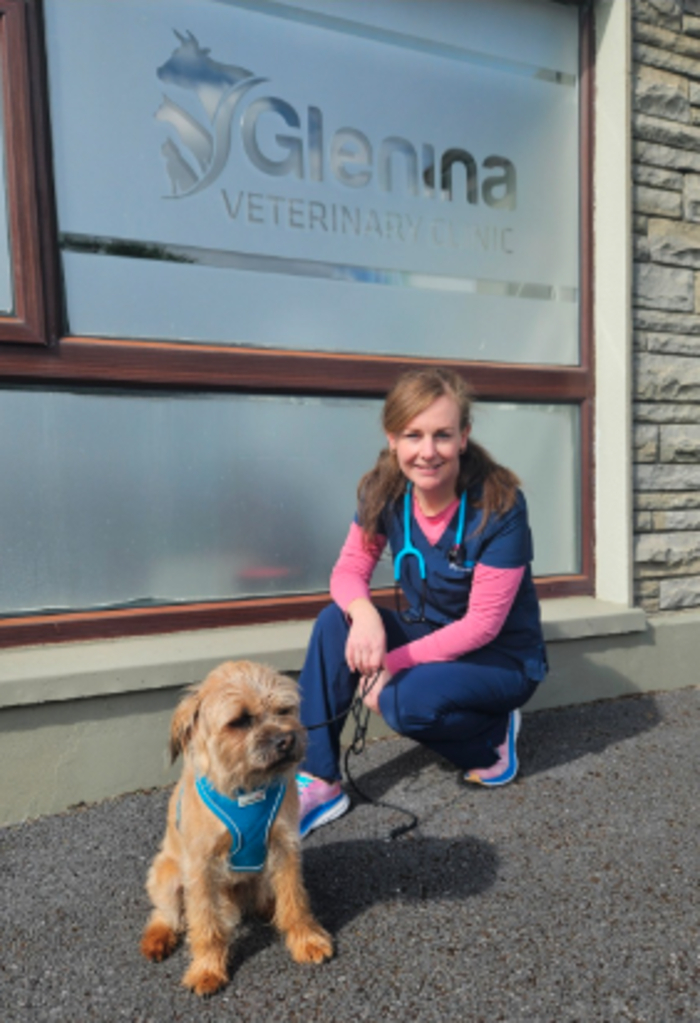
285,711
244,720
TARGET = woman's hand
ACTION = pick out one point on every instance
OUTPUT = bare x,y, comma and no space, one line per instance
370,698
366,643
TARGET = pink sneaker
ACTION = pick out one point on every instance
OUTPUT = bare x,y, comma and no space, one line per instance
506,767
320,802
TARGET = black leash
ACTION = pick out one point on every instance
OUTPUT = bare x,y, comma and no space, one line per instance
360,714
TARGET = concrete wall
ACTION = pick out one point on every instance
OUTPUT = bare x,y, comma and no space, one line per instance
72,749
84,721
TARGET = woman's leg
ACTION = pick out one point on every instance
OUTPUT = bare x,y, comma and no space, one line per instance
459,709
328,686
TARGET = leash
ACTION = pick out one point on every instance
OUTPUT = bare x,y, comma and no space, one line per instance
360,714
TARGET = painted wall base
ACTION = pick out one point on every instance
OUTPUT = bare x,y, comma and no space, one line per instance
57,754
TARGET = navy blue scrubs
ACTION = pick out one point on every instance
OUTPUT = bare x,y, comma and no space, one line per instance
457,708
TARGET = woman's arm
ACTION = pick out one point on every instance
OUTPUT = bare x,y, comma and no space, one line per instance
365,648
353,570
492,594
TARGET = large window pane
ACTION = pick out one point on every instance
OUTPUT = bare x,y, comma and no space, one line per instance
399,178
139,499
6,296
541,443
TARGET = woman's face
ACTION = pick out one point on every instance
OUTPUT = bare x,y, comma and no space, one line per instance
428,450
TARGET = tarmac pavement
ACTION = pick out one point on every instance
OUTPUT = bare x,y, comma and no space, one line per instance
571,895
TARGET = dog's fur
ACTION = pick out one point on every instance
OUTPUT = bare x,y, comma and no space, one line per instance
240,729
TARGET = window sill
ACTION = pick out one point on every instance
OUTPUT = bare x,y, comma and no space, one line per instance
568,618
73,671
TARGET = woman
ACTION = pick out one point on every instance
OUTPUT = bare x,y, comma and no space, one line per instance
453,667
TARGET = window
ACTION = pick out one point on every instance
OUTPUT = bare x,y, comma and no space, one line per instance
262,216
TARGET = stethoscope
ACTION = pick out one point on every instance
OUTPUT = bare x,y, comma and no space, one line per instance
455,554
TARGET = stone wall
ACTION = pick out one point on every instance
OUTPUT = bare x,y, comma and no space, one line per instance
666,208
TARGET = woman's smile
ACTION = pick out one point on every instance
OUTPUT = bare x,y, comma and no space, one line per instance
428,451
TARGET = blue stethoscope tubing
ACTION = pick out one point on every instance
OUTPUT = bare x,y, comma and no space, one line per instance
410,549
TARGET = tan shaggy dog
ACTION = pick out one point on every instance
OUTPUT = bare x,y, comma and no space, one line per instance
241,739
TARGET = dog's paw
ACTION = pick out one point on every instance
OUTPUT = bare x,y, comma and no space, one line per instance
204,980
158,941
309,944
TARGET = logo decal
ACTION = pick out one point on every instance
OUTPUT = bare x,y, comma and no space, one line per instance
306,146
204,145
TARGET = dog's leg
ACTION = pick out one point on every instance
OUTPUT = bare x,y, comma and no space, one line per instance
164,885
264,898
306,940
211,921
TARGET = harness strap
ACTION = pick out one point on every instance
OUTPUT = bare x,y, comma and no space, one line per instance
248,817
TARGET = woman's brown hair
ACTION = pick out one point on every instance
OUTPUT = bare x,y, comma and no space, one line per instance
412,393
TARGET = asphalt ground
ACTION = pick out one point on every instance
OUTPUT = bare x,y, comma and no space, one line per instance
572,894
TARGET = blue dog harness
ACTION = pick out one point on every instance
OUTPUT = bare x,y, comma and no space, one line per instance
249,816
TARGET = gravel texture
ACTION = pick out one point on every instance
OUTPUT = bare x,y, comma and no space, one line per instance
572,894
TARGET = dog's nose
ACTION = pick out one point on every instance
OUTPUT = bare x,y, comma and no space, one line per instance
284,743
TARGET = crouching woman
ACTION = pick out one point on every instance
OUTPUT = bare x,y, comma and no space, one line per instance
463,650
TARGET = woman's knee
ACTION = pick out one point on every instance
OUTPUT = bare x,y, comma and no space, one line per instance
406,710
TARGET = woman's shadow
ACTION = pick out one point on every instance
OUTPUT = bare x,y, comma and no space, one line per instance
346,878
371,872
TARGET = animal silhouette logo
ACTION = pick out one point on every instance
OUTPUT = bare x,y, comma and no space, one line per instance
197,159
200,136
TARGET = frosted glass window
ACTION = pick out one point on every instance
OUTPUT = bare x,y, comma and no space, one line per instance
114,500
6,295
356,176
541,444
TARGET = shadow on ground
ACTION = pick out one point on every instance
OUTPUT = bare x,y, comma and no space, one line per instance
368,873
413,869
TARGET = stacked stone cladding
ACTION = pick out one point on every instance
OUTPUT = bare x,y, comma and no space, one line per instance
666,300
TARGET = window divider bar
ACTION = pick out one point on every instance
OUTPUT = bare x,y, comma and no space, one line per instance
186,366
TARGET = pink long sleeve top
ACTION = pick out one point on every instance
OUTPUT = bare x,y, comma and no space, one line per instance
492,594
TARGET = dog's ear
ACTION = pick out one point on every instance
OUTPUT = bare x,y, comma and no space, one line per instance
184,722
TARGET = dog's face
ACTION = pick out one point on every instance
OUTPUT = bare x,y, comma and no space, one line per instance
240,725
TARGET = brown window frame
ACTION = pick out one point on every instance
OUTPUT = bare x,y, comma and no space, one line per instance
34,317
176,366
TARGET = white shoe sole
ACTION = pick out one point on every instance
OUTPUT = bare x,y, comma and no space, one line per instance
474,779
